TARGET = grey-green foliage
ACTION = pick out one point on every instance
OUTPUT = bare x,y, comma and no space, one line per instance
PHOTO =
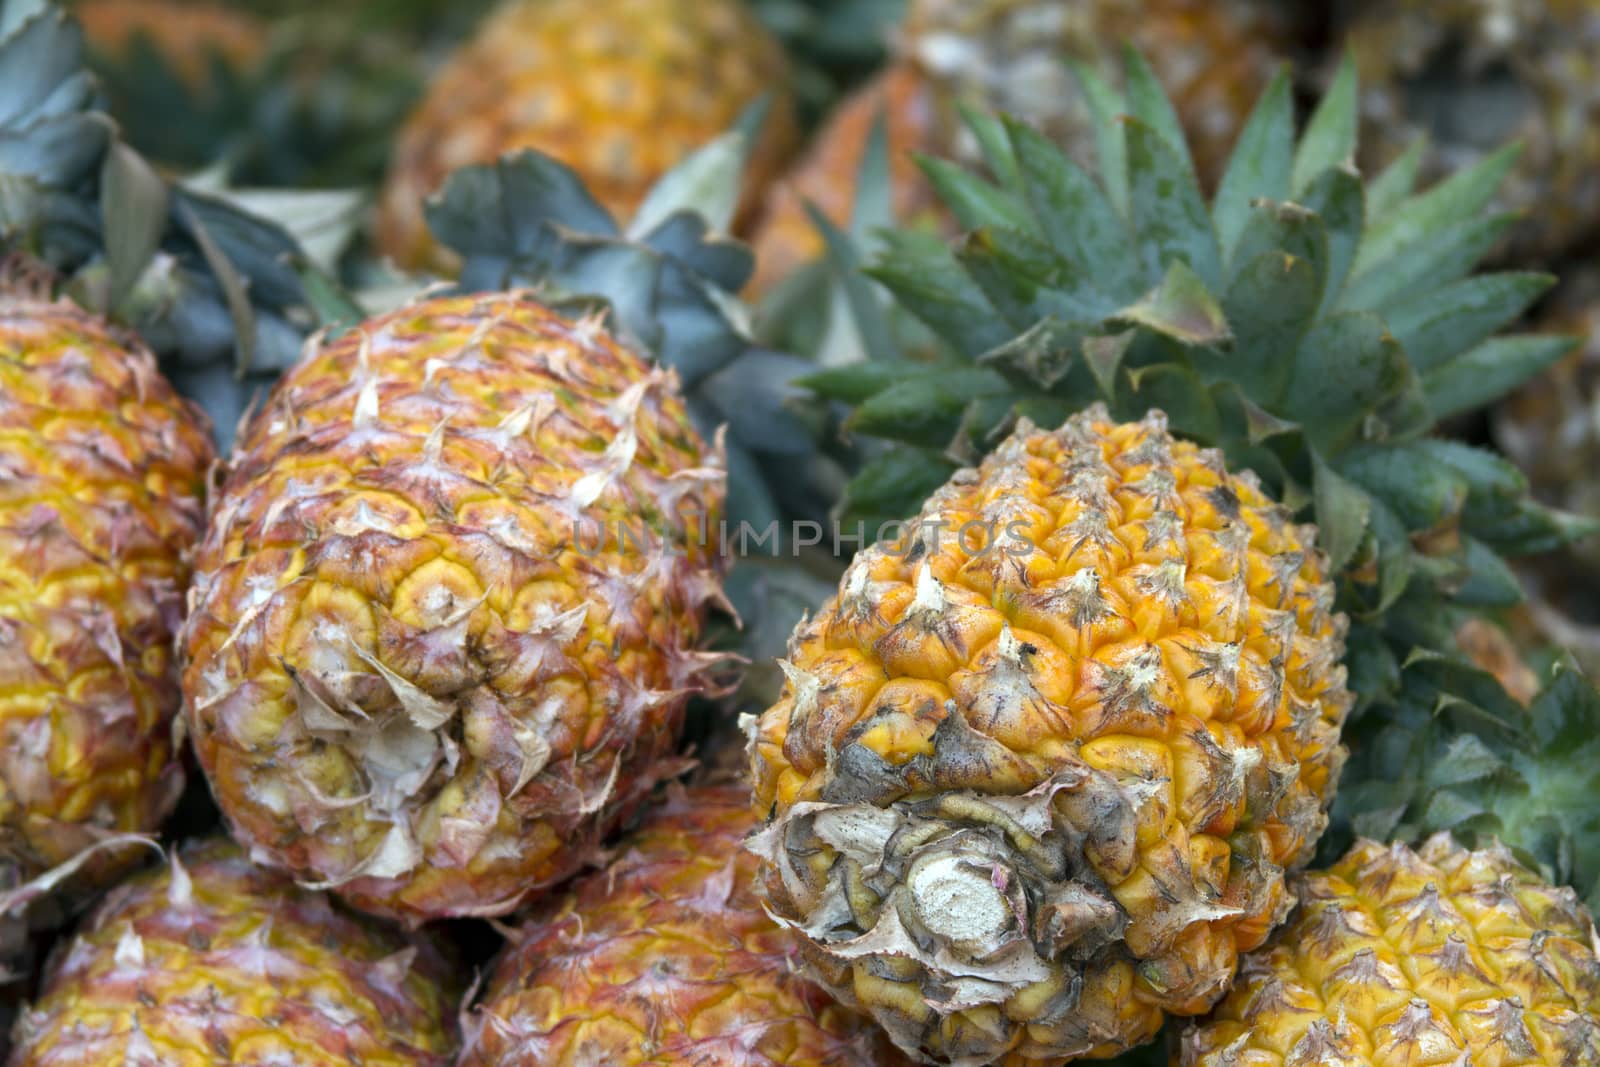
1313,325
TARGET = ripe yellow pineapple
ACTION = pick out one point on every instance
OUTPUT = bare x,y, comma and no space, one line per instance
1474,75
1395,957
102,486
443,623
188,36
213,960
665,958
620,90
1042,765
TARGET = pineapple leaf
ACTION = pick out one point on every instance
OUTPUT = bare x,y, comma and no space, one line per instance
972,200
995,144
1261,163
1343,510
1330,138
1111,147
1428,265
1462,315
1423,217
1168,211
133,201
1472,379
1181,308
1148,103
1398,181
872,323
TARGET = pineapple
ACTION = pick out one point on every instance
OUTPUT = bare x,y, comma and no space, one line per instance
619,89
213,960
1472,75
191,38
1006,55
101,504
442,628
664,958
1440,955
1054,780
1032,785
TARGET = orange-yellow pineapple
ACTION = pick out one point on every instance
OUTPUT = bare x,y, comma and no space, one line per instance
213,960
443,623
1399,958
1041,767
1007,55
665,959
102,488
619,90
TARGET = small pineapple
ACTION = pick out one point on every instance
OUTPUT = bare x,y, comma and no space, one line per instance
665,958
1399,957
443,624
1030,791
618,89
213,960
1005,55
101,503
1473,75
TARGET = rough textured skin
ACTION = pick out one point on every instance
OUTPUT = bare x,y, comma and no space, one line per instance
213,960
102,496
1214,56
787,239
1474,75
1023,800
423,665
619,90
665,959
1404,958
189,36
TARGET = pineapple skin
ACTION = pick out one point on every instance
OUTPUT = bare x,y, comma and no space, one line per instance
415,671
102,500
1024,800
189,36
214,960
619,90
665,958
1527,72
1439,956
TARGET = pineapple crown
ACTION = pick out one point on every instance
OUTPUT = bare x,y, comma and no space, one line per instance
1314,326
667,282
202,282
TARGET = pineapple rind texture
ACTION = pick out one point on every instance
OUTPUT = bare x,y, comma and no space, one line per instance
665,958
102,498
215,960
443,623
1439,956
619,90
1029,790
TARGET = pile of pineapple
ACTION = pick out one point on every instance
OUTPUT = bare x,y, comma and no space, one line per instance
821,533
